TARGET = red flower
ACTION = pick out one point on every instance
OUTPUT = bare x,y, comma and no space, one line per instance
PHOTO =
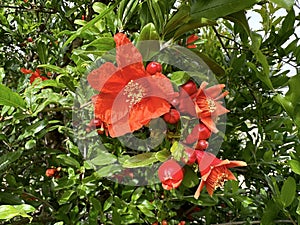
53,172
192,39
199,132
129,96
170,174
34,75
208,106
214,172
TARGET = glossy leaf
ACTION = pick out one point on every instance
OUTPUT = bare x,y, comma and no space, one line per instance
10,98
8,212
218,8
140,160
288,190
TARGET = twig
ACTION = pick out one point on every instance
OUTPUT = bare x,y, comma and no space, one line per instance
221,42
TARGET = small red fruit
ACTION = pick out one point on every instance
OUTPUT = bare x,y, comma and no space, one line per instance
172,117
190,156
155,223
53,172
170,174
154,67
202,145
182,222
164,222
29,39
199,132
82,17
190,87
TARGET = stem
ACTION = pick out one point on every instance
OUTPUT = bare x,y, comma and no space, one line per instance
221,42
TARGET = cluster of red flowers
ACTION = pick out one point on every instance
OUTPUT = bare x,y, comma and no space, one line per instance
34,74
130,96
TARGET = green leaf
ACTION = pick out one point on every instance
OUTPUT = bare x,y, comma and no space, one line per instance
270,213
287,4
213,65
104,158
264,77
68,160
8,158
178,19
140,160
177,150
148,33
10,98
42,50
218,8
92,22
152,46
192,24
298,207
65,197
240,18
295,166
30,144
137,194
108,203
179,77
108,170
8,212
288,191
162,155
191,179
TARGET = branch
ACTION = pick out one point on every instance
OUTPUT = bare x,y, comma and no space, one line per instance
221,42
34,8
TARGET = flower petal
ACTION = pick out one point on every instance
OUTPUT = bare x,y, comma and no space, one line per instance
199,189
98,77
127,53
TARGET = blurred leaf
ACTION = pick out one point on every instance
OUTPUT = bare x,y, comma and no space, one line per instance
270,213
295,166
240,18
264,77
162,155
177,150
140,160
8,212
30,144
68,160
178,19
92,22
288,192
218,8
103,158
179,77
42,51
10,98
214,66
108,170
66,197
108,203
191,179
287,4
8,158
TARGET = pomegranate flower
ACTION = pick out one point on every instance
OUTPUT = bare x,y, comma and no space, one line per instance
208,106
191,39
34,74
170,174
214,172
129,96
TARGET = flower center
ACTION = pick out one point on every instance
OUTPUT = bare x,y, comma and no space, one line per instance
219,182
134,93
211,105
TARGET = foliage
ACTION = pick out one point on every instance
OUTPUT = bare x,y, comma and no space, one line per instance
63,39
